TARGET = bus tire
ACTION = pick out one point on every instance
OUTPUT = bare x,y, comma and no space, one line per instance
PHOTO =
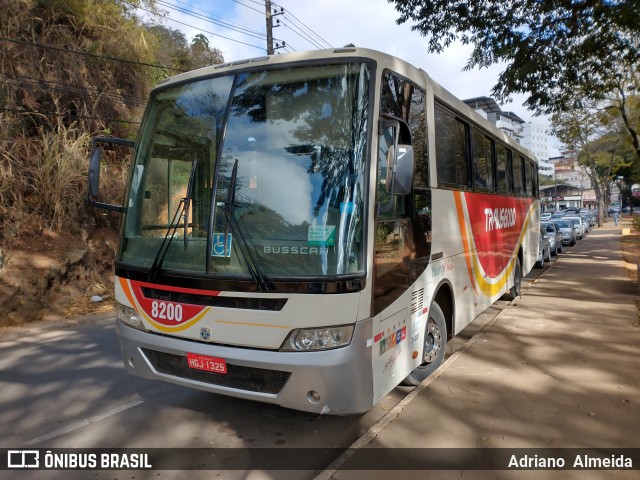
515,291
433,347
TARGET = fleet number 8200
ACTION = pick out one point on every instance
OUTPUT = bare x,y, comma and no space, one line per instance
166,311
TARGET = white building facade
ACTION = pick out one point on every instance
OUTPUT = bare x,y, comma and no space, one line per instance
534,137
531,135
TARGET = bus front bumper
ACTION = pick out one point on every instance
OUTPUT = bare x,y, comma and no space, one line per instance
335,381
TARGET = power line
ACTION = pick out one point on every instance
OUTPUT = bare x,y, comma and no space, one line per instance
261,12
296,19
220,19
105,57
208,17
71,115
301,34
216,19
196,28
65,87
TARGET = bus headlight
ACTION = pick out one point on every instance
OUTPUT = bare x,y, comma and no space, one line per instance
325,338
129,316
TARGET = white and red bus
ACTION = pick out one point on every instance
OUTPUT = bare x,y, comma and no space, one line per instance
309,229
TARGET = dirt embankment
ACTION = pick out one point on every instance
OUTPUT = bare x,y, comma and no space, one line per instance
55,275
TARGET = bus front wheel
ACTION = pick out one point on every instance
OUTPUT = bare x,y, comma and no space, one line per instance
434,345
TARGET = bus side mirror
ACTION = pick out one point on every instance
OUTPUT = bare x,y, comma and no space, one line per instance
403,171
399,160
94,172
93,192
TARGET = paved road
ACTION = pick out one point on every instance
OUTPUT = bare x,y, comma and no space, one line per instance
559,368
63,386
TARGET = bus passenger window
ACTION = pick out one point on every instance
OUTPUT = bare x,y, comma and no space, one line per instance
482,161
422,227
502,174
518,187
451,150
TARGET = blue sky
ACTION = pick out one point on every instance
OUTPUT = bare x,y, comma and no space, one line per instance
365,23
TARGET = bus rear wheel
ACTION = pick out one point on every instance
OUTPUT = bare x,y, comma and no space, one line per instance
434,345
514,292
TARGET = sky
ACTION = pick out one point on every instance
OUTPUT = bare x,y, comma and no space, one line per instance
364,23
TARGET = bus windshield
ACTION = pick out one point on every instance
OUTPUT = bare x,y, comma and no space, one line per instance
264,167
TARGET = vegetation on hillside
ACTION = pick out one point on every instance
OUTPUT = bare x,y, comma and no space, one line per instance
70,70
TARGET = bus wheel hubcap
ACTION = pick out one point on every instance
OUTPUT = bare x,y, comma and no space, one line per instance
432,342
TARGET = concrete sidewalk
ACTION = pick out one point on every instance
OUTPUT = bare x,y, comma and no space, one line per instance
557,368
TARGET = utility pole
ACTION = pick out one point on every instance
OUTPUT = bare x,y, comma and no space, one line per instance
270,26
267,11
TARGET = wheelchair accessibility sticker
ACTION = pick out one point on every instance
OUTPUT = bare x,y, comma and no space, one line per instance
219,248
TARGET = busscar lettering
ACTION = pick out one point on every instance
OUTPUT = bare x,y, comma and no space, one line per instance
499,218
270,250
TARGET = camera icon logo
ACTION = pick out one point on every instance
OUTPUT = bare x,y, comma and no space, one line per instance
23,459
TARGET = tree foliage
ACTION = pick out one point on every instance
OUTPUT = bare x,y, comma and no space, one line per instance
551,49
71,69
595,135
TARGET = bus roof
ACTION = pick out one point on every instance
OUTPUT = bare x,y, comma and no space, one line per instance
383,60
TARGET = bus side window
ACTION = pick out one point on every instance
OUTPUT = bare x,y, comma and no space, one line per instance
518,187
503,180
423,225
482,161
534,180
452,163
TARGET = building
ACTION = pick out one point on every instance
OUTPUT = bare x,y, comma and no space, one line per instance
560,197
531,135
534,137
568,171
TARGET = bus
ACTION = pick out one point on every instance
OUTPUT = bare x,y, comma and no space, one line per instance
310,229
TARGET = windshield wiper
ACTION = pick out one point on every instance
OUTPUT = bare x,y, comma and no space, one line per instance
183,209
243,245
187,200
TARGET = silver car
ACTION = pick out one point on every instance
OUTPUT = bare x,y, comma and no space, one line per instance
579,224
555,236
544,248
568,231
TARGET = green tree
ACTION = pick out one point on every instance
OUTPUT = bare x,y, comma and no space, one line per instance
598,141
625,104
202,55
551,49
72,69
171,49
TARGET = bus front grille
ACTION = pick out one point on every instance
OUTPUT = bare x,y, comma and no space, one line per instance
243,378
245,303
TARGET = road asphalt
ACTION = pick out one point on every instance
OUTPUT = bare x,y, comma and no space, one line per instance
556,370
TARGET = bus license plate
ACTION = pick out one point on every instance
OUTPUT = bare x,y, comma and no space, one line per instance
207,363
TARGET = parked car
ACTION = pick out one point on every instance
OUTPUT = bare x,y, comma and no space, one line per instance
579,224
545,216
555,236
544,248
586,223
568,231
588,220
591,215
